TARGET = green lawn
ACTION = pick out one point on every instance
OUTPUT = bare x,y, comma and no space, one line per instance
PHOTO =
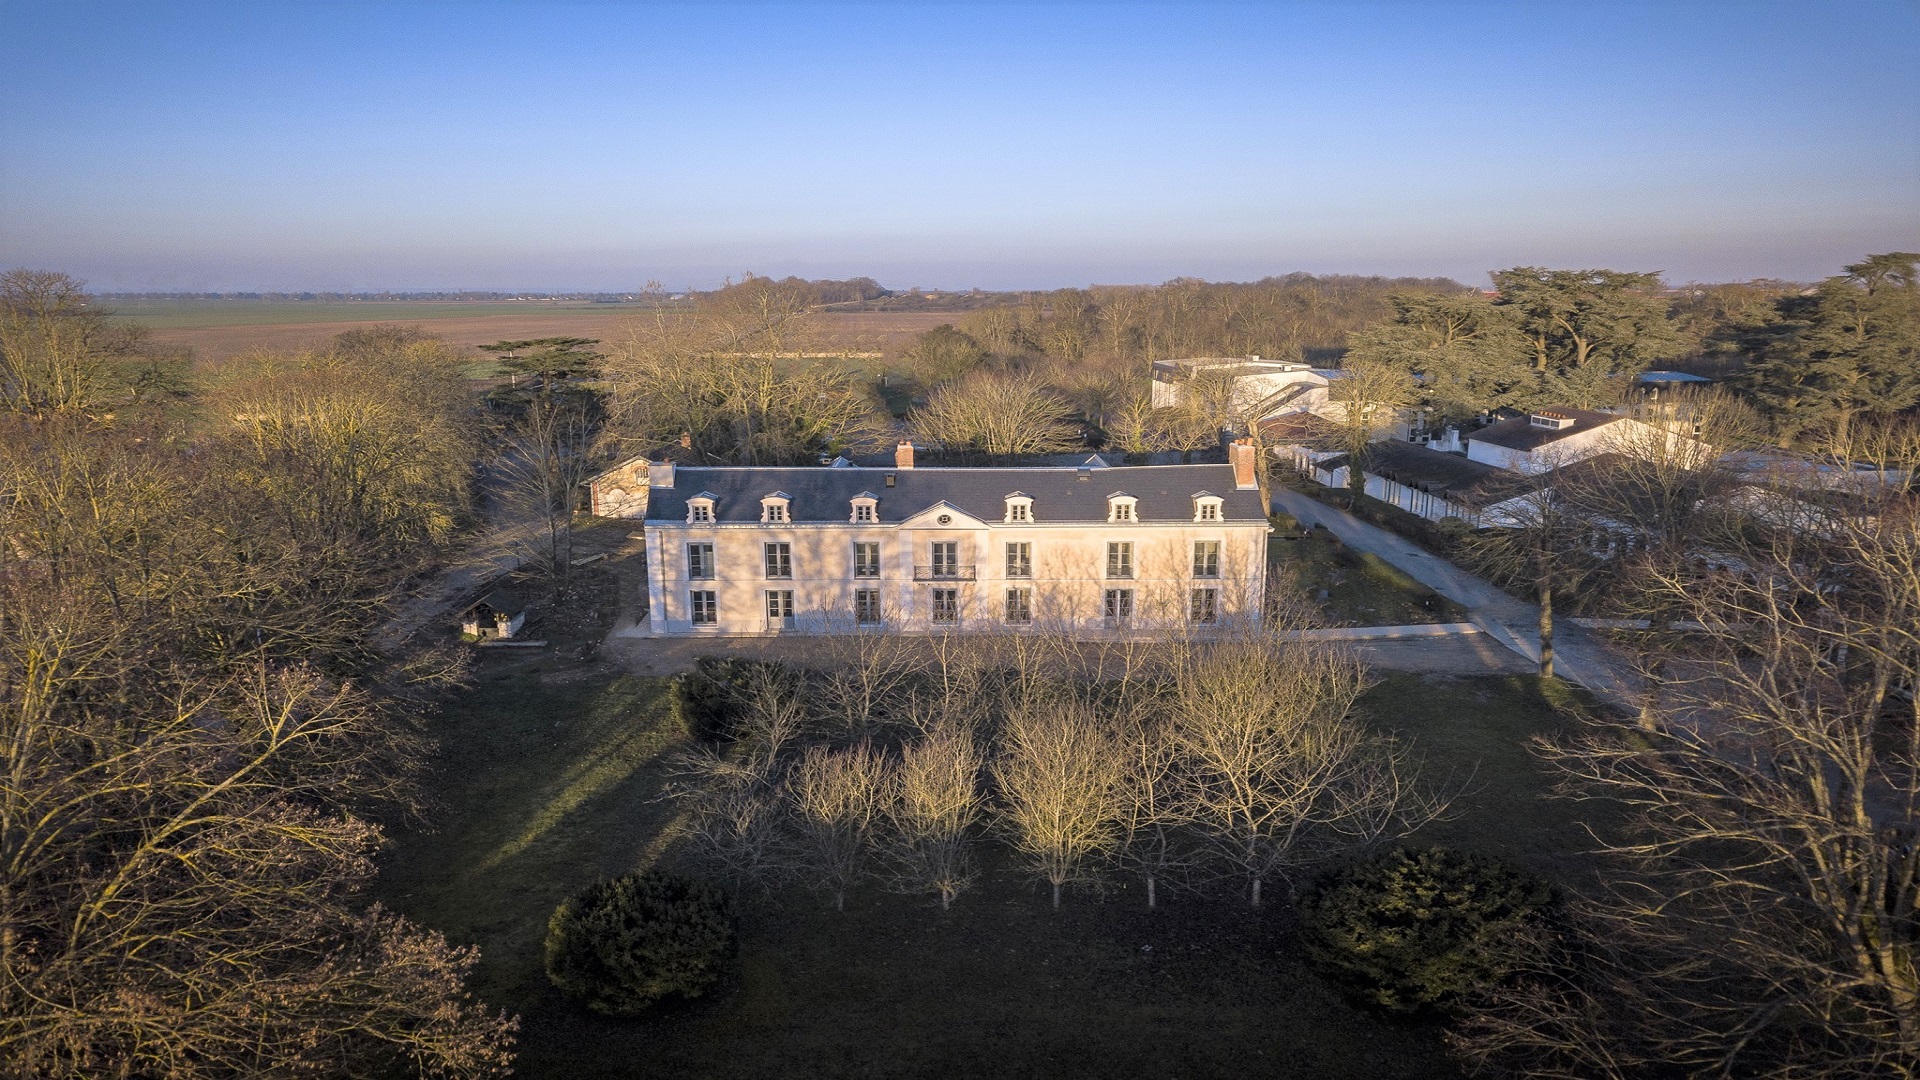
548,779
1362,588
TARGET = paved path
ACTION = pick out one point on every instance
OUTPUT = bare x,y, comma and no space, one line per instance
1578,656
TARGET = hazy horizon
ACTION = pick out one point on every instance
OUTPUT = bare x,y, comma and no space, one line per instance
444,146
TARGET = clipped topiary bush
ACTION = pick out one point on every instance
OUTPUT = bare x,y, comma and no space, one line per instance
1417,929
622,945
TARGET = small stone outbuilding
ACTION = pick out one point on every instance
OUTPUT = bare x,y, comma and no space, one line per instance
497,615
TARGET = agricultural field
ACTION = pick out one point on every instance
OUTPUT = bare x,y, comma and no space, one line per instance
550,776
214,329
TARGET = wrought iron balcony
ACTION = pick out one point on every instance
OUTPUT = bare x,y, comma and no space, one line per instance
943,572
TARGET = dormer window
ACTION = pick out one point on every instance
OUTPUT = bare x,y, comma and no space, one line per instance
700,509
1550,420
1019,507
1122,507
773,508
1206,507
866,508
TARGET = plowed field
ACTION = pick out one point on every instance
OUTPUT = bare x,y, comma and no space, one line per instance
215,329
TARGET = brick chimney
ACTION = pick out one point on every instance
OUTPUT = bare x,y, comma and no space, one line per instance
1240,453
903,455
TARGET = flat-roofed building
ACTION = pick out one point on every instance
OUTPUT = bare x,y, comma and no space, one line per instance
1265,387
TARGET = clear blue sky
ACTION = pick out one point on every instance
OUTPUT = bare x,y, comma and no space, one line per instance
511,145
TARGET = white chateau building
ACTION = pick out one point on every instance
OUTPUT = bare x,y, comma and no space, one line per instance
754,550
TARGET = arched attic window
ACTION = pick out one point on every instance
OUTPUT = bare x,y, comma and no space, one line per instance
1019,507
700,509
1206,506
866,508
774,508
1122,507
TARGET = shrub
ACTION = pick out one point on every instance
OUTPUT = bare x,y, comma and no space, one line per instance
1418,929
706,701
622,945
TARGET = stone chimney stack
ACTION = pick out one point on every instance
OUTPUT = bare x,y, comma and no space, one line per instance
1240,453
903,455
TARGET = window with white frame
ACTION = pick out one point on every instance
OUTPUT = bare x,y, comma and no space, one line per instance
946,558
1120,559
1122,507
779,560
866,606
1206,558
780,609
946,605
1119,607
1203,606
700,561
866,559
866,508
705,607
1020,560
1206,507
773,508
1019,507
700,509
1019,606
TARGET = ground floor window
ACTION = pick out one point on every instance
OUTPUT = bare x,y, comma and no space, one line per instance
946,605
706,607
1020,605
866,605
780,609
1119,607
1204,606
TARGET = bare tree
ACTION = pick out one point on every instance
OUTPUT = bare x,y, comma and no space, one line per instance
836,795
180,871
1156,811
1280,774
1369,396
933,802
54,345
736,375
999,414
1061,779
870,671
1543,536
543,463
1764,921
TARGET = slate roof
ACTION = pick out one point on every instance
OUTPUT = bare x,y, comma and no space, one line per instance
1450,476
502,600
1520,434
1165,492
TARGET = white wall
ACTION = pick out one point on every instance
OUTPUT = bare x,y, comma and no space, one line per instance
1069,566
1414,501
1250,390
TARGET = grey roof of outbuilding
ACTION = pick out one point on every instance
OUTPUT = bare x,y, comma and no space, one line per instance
1520,434
1165,492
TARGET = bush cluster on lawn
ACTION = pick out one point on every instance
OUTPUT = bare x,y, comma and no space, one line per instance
1419,929
708,700
622,945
